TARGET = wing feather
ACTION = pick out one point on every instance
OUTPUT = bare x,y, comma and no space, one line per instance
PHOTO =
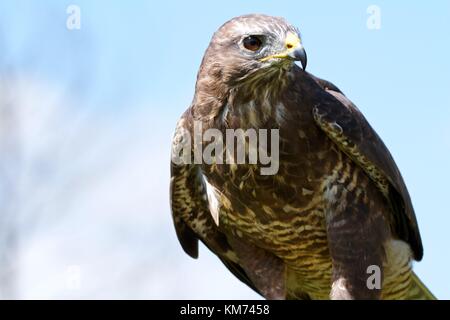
346,126
192,218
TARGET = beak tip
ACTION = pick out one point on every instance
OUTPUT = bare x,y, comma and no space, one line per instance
304,63
303,59
299,54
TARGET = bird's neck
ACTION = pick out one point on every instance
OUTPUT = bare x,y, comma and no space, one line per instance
250,103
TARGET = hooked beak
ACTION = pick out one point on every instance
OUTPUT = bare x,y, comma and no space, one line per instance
293,51
299,54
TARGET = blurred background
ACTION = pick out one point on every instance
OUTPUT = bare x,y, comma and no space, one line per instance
90,92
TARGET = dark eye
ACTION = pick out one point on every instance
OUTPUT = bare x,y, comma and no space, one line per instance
252,43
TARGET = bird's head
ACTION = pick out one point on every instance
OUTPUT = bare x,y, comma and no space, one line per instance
253,46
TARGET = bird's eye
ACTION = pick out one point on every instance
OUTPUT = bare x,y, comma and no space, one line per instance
252,43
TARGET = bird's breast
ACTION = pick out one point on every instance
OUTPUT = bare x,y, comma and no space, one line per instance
284,212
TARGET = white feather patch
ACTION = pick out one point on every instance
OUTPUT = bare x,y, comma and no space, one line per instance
213,201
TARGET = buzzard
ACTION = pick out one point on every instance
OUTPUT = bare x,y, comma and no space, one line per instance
334,221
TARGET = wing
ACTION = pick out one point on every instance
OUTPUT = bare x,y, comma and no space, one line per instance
191,214
345,125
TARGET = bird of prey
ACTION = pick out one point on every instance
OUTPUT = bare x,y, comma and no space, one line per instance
335,216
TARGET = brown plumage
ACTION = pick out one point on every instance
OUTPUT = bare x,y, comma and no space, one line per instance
337,204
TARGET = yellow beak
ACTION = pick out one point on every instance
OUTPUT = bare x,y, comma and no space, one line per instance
293,50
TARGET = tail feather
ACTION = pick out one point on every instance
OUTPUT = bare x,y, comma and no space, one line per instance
418,290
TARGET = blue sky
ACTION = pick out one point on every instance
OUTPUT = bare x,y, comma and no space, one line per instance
139,60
